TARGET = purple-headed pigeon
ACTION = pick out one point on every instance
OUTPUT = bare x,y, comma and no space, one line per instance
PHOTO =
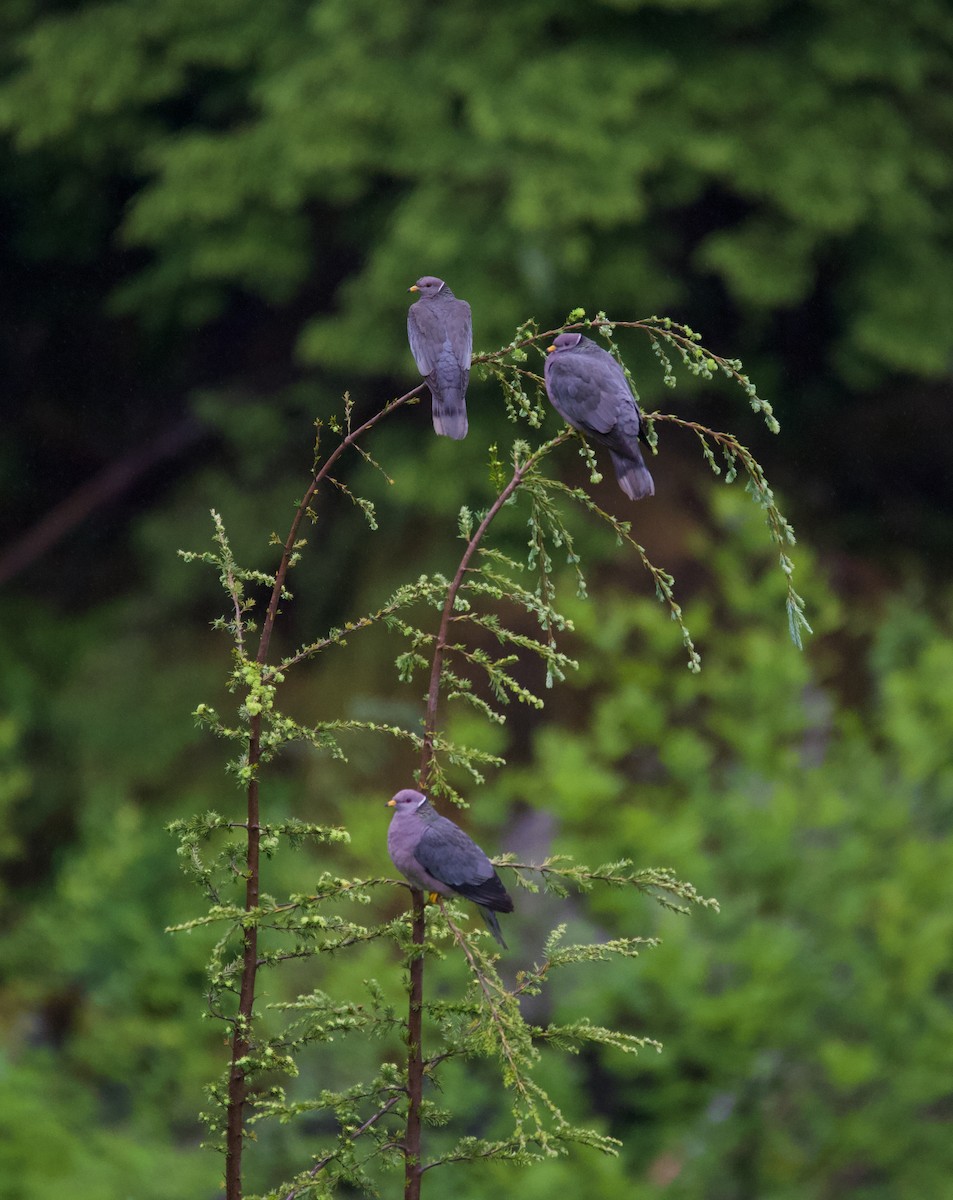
440,332
438,857
589,390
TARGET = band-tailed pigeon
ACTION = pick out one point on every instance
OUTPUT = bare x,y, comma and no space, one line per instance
589,390
438,857
441,337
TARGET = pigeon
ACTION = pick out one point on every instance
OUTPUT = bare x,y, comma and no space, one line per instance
439,858
440,332
588,389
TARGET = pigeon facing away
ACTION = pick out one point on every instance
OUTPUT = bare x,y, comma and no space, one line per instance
589,390
440,332
438,857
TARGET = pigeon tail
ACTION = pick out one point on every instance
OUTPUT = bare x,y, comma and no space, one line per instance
450,416
633,476
493,924
448,386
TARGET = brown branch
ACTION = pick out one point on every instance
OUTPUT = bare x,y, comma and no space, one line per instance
440,647
241,1038
234,592
241,1035
413,1168
96,493
415,1054
730,444
289,546
365,622
491,1003
646,325
323,1162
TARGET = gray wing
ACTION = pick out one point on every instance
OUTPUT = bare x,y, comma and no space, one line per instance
451,856
433,327
448,854
590,392
425,334
460,332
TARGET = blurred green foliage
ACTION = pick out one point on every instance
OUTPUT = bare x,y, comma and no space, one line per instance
806,1027
260,146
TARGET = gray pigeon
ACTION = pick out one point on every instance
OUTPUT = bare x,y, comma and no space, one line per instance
438,857
440,332
589,390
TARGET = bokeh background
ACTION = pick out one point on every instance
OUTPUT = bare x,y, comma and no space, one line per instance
211,213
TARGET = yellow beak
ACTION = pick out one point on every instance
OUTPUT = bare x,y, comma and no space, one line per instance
550,349
413,288
391,804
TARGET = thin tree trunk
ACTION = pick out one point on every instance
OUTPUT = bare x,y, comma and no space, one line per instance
242,1031
413,1162
241,1036
415,1058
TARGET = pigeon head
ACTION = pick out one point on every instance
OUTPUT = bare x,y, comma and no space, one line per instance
427,285
407,801
565,341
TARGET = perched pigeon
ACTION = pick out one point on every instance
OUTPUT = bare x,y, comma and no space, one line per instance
441,338
438,857
589,390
